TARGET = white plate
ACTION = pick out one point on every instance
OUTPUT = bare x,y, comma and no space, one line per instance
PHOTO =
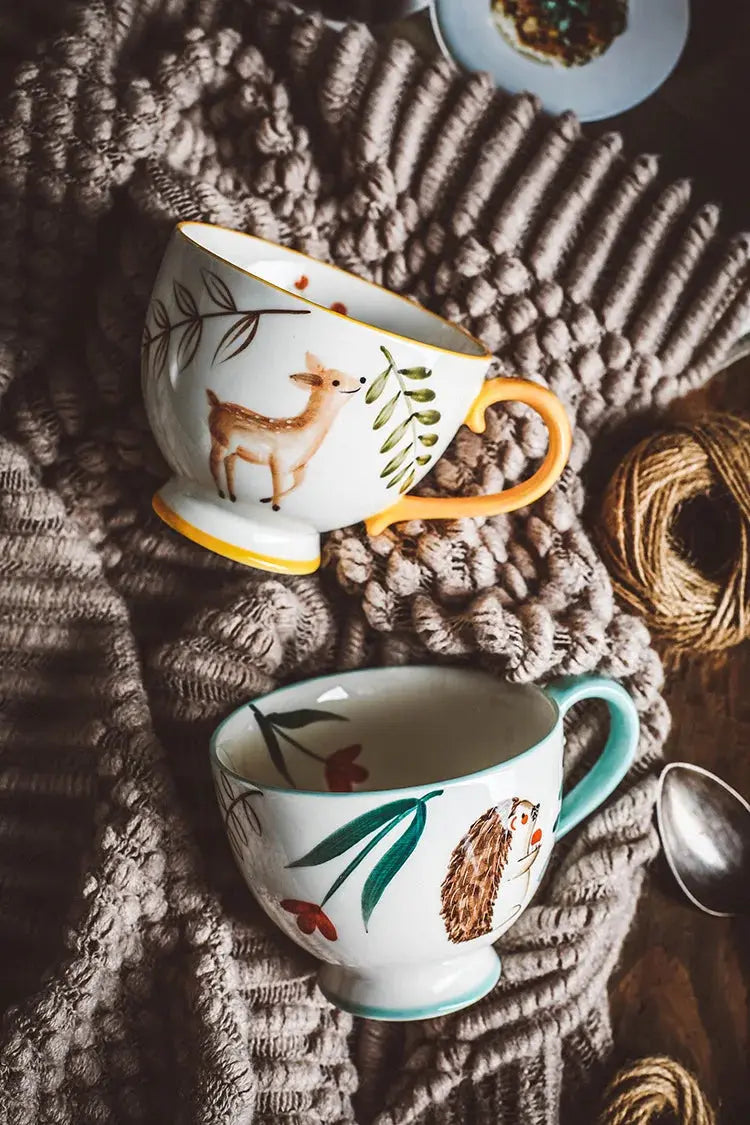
634,66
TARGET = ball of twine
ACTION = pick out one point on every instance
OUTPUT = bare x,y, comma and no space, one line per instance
675,532
655,1090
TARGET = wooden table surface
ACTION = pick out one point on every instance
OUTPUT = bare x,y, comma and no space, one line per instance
682,986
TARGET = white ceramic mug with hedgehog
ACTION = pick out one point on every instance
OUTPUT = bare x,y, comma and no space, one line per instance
290,397
396,821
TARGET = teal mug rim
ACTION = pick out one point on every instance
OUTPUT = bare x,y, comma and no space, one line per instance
452,782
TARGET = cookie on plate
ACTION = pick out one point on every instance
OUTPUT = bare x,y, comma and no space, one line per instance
561,32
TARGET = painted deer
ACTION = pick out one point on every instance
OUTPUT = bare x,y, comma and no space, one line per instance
284,444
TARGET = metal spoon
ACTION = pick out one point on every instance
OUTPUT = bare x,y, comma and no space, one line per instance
704,826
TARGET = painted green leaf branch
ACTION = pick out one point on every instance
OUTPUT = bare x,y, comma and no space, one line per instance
272,744
293,720
385,413
404,439
354,864
344,838
274,728
394,462
376,388
391,863
376,823
188,330
395,437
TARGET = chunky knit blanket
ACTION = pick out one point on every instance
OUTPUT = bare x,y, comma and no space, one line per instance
140,981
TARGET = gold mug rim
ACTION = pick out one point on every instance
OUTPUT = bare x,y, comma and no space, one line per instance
485,356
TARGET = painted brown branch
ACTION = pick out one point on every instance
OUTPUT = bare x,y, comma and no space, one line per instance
238,800
225,312
297,745
235,828
246,320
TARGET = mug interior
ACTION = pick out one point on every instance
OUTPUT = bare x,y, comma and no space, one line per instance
384,728
332,289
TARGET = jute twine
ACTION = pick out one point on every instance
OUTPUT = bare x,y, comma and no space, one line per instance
656,1089
675,533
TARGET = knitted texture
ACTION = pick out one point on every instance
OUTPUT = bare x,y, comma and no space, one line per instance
142,982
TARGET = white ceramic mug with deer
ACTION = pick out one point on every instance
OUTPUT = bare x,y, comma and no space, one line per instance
289,398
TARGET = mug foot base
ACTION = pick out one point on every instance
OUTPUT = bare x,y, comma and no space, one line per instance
243,533
412,992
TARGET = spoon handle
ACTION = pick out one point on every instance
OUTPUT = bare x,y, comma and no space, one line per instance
618,753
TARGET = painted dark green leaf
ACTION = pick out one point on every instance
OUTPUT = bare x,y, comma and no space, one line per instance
415,372
188,345
406,484
373,843
387,355
395,437
424,458
422,395
386,412
218,291
429,417
376,388
159,310
350,834
400,476
386,869
394,462
184,299
428,439
272,745
293,720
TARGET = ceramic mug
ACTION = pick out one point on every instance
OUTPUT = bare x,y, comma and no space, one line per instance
290,397
395,822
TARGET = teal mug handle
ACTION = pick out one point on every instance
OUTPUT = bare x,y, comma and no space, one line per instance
618,753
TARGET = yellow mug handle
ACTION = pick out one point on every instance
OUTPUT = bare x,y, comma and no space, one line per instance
551,410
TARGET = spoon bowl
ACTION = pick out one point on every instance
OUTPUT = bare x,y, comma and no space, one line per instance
704,826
